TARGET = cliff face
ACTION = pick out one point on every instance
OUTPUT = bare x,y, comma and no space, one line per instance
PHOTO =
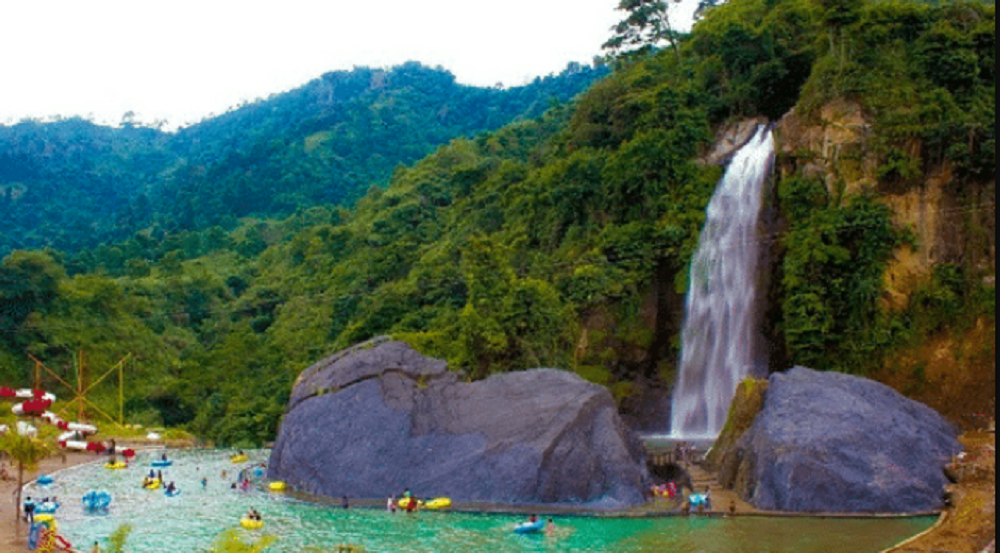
952,222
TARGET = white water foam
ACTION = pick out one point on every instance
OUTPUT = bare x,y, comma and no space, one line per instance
720,336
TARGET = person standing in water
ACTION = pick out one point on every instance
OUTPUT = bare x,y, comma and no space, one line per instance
550,528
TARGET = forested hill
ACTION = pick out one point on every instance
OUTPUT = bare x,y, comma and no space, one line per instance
72,184
565,241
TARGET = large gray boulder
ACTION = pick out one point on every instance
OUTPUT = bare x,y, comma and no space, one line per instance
380,418
834,443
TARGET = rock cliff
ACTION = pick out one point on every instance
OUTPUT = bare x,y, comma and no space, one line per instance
834,443
952,222
380,418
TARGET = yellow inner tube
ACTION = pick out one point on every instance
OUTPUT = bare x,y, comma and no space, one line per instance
277,486
439,503
154,485
116,466
251,524
239,459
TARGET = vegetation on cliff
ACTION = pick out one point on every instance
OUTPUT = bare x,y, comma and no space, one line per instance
557,241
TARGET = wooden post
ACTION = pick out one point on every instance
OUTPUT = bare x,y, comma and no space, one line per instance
80,392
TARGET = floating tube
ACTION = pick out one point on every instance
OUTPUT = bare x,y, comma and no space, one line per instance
116,466
173,493
47,508
404,503
438,504
697,499
152,485
47,521
95,501
249,524
277,486
44,480
237,459
530,527
162,464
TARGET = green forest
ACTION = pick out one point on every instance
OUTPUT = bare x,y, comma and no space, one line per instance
73,185
521,233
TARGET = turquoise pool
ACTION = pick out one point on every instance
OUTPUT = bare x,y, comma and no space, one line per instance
192,521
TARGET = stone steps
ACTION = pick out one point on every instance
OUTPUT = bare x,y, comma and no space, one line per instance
722,499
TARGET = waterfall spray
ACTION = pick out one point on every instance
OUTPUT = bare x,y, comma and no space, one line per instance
719,341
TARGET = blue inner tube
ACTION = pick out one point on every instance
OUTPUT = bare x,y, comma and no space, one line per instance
530,527
45,480
161,464
47,508
97,500
174,493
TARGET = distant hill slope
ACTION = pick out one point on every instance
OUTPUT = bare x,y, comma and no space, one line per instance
72,184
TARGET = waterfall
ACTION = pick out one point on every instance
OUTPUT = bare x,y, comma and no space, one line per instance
719,341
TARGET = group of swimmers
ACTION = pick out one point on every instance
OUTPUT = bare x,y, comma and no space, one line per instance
407,503
550,525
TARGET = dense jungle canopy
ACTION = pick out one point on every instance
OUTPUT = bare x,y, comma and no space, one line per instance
232,255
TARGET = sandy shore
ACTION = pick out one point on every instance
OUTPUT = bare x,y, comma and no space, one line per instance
10,540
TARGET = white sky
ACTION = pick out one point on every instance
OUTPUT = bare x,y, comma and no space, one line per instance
181,60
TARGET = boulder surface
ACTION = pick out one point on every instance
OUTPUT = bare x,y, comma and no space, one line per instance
380,418
835,443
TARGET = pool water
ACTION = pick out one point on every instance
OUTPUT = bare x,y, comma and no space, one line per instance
192,521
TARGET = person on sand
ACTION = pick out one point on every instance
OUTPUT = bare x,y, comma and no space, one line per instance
708,500
29,510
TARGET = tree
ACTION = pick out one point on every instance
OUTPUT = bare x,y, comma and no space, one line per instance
28,281
27,452
646,26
